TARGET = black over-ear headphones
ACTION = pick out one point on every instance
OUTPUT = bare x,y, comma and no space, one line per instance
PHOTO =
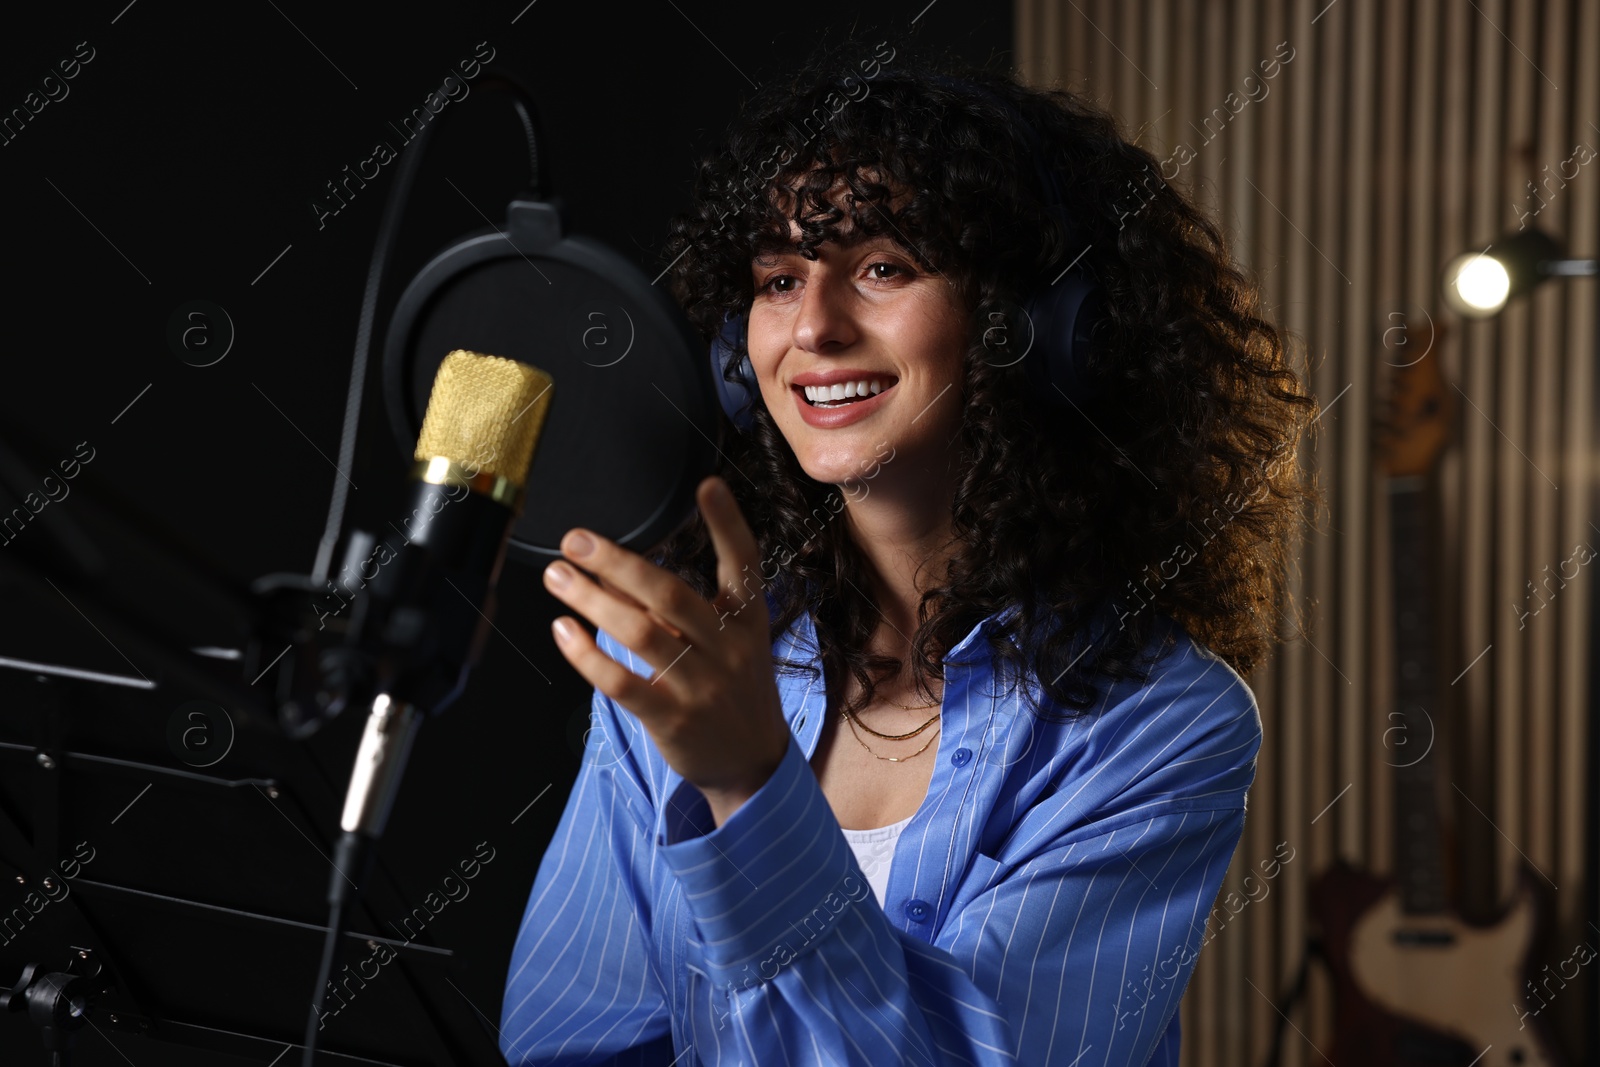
1061,315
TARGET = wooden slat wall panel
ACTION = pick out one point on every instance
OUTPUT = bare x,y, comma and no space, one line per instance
1578,469
1513,479
1548,123
1399,135
1304,681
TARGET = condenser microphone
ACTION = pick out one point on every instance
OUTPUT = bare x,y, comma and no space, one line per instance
424,616
427,610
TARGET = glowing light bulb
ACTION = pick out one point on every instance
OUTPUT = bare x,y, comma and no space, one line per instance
1478,284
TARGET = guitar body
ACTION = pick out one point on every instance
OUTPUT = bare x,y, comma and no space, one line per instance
1428,990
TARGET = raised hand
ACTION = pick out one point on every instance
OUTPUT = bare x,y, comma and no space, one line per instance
712,706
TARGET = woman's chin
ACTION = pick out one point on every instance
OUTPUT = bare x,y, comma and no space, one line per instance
847,472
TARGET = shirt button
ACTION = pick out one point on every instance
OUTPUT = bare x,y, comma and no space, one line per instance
961,757
918,910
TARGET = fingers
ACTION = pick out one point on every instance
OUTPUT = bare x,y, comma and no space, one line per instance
627,622
623,596
645,607
613,679
739,579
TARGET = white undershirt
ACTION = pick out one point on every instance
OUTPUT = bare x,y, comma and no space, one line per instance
874,850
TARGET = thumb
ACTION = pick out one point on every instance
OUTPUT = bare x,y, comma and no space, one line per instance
739,578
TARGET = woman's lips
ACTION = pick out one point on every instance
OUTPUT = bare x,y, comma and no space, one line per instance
833,418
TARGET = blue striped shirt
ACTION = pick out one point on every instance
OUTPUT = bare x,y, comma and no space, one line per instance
1045,905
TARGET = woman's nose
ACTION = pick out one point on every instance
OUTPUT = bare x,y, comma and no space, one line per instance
825,320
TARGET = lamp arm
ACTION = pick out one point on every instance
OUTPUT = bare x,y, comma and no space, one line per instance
1569,268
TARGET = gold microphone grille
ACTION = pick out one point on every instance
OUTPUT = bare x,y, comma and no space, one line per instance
485,413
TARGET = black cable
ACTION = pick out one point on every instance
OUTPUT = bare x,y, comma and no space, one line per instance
1295,992
350,859
353,850
330,950
382,252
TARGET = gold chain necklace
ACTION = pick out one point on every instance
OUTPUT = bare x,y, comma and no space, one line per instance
903,707
891,737
914,707
850,722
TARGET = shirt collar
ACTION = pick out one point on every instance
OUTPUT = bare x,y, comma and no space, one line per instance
801,639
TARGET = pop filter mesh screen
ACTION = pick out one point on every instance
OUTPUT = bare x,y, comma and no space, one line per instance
619,449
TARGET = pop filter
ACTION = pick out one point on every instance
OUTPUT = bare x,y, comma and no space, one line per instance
633,422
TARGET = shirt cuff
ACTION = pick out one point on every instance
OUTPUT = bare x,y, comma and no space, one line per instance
770,881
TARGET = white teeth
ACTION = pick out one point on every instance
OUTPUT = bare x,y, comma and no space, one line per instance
822,394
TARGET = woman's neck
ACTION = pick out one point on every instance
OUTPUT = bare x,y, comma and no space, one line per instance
907,548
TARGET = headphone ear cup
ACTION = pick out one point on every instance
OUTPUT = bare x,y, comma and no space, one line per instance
1064,317
737,397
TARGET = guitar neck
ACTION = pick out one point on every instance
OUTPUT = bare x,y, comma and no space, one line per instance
1418,847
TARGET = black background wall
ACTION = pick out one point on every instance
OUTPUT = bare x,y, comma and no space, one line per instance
180,163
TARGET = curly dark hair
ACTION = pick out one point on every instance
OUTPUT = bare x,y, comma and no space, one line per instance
1176,496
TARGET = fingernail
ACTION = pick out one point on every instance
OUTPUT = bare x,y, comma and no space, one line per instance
563,630
579,543
559,575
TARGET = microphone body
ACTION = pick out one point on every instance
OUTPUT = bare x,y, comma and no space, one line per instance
421,621
428,609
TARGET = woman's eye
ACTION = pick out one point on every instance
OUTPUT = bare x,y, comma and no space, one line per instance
779,283
889,270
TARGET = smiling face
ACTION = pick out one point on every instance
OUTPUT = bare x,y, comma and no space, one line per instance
862,311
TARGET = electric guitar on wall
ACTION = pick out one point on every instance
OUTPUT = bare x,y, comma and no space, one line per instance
1415,984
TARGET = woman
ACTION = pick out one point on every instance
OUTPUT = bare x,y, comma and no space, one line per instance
926,741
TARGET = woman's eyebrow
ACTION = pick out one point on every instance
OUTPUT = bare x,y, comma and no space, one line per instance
768,256
771,253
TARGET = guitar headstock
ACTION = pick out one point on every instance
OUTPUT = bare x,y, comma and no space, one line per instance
1413,422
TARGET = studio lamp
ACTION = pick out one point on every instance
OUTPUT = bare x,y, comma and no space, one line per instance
1478,284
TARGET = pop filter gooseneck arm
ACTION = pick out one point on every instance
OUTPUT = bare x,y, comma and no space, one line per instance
382,254
352,856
